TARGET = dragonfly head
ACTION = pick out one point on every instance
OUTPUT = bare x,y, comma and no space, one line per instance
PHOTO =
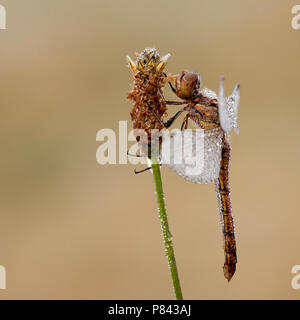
187,85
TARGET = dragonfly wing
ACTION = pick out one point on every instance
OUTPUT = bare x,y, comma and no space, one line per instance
232,103
209,93
228,107
193,154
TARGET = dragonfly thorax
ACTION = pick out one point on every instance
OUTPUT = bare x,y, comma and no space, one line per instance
205,116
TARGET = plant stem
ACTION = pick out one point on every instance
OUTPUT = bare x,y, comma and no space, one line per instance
167,236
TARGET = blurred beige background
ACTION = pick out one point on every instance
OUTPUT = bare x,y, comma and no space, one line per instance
72,229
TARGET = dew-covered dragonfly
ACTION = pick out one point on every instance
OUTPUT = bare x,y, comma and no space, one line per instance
215,116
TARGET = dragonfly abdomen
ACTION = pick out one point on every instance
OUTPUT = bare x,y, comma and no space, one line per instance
223,192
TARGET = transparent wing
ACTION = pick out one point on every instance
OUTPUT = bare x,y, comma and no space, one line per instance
209,93
228,107
193,154
232,102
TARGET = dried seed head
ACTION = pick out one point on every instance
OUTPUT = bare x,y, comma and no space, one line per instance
149,104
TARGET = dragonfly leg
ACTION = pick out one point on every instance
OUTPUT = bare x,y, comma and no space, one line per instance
175,103
185,123
172,88
173,118
141,171
135,155
138,156
137,172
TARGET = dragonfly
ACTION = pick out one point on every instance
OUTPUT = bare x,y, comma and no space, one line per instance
216,116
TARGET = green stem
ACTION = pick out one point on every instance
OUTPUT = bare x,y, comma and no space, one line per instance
165,229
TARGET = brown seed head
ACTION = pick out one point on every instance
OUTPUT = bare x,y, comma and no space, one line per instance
149,105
